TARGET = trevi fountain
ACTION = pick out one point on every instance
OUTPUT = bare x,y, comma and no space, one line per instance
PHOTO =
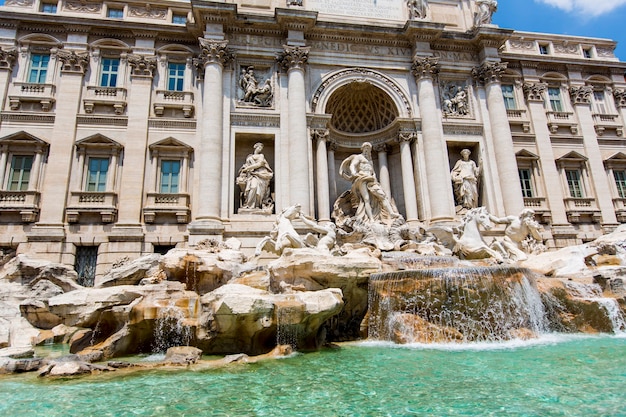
364,315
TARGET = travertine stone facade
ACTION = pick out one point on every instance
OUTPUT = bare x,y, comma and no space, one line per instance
123,125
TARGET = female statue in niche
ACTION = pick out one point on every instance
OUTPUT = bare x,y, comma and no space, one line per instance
465,176
254,181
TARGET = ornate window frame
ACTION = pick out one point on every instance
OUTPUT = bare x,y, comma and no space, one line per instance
176,101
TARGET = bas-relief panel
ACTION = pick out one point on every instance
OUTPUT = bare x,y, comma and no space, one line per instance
377,9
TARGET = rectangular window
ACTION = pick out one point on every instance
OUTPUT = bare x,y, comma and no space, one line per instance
108,72
19,175
97,175
115,13
508,93
574,184
554,93
170,175
599,102
49,7
526,182
179,19
587,52
38,68
175,76
85,264
620,182
543,49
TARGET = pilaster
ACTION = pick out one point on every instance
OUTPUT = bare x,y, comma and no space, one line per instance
581,99
535,97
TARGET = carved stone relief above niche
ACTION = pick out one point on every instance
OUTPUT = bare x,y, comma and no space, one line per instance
455,99
254,86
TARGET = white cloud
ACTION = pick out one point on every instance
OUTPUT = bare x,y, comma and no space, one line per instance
586,7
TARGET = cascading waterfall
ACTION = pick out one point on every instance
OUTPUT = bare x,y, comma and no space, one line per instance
454,304
170,329
289,315
593,293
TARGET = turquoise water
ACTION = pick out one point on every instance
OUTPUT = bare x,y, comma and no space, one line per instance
554,376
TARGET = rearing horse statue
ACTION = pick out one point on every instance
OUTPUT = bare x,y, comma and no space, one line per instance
470,243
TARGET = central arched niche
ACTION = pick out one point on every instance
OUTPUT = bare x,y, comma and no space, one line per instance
360,107
362,111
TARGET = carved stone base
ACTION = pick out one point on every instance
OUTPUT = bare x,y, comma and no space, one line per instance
255,211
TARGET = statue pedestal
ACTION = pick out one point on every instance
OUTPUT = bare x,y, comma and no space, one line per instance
255,211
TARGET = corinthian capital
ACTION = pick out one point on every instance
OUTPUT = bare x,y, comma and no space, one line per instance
73,62
7,58
535,91
489,72
213,52
581,94
620,97
293,57
320,134
142,66
406,136
426,67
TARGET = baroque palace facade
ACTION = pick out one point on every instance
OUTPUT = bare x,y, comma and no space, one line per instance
124,126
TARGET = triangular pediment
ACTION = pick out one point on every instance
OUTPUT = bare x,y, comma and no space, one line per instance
98,140
524,154
572,156
23,138
618,157
171,145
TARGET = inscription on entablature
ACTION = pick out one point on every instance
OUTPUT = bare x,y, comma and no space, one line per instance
378,9
355,48
454,56
251,40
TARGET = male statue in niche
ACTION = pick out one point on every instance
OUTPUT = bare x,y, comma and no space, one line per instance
253,180
367,195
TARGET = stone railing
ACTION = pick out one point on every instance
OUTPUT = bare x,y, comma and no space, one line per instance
103,204
519,117
557,119
540,207
179,100
581,209
164,204
32,92
619,204
106,96
26,203
602,122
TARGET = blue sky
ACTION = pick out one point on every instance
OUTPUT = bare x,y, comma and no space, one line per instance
593,18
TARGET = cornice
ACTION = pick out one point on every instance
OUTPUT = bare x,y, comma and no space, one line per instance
295,18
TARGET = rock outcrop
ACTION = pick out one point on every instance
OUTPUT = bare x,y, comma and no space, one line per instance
309,270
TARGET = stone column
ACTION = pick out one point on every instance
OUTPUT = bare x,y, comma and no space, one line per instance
435,149
490,74
383,169
4,155
408,180
293,60
323,193
581,99
69,88
535,97
332,175
143,69
214,56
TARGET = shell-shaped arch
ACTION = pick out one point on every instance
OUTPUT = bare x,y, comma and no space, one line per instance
334,82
